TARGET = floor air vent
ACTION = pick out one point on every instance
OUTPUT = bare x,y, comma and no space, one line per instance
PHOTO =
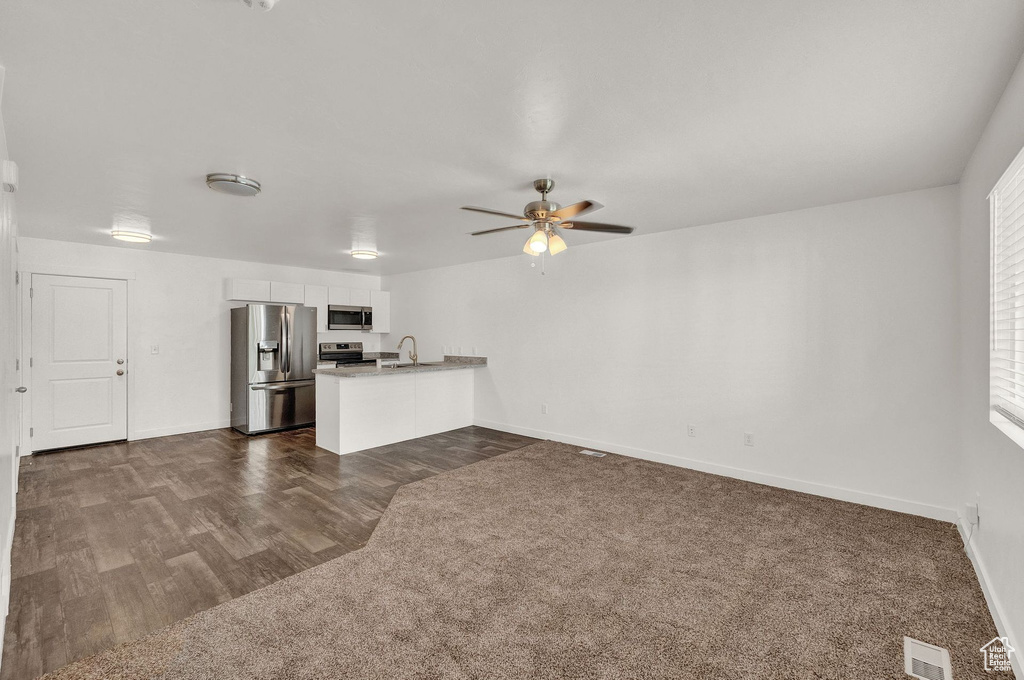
588,452
925,661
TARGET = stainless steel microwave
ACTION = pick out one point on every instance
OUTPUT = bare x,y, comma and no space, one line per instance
346,318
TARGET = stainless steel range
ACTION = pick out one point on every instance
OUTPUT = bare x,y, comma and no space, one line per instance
337,354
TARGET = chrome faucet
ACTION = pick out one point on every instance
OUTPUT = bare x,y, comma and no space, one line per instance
412,355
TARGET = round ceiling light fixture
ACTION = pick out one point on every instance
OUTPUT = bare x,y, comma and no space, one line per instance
131,235
132,228
236,185
364,254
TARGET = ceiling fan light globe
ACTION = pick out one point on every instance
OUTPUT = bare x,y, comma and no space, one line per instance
538,243
556,244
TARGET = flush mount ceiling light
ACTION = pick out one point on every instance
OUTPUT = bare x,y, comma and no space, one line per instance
547,217
364,254
130,235
236,185
131,228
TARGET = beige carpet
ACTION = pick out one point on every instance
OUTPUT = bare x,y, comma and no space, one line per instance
544,563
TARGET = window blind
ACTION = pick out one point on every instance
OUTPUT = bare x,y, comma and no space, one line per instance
1006,371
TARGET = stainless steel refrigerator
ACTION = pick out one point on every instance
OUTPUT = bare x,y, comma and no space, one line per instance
273,354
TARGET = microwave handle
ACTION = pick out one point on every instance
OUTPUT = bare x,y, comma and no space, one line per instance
362,317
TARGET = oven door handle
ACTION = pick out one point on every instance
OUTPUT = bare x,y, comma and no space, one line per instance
277,387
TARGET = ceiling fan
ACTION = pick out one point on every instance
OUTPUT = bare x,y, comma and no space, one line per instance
547,217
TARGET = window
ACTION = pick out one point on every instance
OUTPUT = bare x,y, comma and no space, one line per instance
1007,349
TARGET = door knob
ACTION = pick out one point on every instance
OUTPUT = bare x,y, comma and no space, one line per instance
120,361
21,390
120,371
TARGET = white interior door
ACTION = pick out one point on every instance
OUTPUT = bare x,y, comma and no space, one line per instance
79,353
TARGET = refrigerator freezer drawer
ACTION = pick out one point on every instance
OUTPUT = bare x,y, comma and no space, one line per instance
276,406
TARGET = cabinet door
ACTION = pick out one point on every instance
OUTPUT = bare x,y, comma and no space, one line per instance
287,293
359,297
339,296
380,301
249,290
316,296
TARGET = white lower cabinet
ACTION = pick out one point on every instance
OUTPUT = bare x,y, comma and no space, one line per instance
360,413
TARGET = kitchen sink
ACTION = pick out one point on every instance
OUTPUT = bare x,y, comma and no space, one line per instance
422,363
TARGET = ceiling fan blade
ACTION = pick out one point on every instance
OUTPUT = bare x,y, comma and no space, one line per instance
491,231
597,226
494,212
575,209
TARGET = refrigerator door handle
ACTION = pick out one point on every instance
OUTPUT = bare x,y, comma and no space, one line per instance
277,387
286,354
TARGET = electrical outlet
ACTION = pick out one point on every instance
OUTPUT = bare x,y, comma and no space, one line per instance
748,439
543,409
691,430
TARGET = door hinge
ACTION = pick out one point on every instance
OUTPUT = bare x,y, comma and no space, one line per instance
17,278
30,362
31,432
17,364
31,292
17,452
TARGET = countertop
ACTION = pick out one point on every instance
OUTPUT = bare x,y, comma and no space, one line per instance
450,363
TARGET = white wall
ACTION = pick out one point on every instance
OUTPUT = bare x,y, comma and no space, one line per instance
9,379
177,302
993,464
830,334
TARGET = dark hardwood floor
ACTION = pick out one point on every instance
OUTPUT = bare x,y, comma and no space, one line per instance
112,542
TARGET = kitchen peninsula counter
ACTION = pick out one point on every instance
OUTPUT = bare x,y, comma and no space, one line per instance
449,364
392,404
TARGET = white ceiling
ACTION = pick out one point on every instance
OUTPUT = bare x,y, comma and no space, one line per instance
370,123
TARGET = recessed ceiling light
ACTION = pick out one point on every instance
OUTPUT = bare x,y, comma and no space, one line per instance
131,235
236,185
364,254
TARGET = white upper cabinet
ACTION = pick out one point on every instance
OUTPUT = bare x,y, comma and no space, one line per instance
339,296
287,293
355,297
248,289
380,301
359,297
316,296
252,290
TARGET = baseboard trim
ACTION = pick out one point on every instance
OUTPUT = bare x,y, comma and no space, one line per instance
995,606
182,429
5,570
814,488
